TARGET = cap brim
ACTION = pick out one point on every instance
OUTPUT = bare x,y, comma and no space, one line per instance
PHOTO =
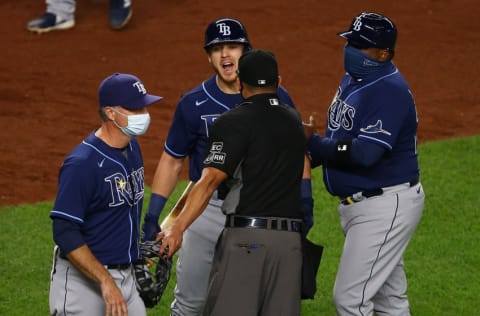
150,99
344,34
147,100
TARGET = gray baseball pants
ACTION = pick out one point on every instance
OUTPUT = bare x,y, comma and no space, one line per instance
377,231
62,8
72,293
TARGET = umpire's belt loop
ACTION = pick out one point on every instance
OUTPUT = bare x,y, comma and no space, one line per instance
273,223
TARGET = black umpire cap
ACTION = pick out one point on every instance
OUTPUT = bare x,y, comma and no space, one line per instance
258,68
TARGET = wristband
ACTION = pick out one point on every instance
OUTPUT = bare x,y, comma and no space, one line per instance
306,188
342,151
155,207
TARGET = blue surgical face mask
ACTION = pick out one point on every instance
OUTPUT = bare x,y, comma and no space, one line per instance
360,65
137,124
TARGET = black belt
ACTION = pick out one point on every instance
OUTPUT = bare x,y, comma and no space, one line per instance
414,182
360,196
274,223
119,266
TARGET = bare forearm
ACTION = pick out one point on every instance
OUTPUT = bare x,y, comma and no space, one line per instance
167,175
307,169
83,259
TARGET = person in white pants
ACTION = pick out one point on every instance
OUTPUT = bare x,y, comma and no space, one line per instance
60,15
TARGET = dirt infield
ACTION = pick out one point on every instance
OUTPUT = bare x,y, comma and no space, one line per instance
48,89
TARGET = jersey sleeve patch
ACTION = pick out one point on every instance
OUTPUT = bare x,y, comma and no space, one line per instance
215,155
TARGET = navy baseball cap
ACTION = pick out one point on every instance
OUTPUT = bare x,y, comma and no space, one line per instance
258,68
125,90
370,29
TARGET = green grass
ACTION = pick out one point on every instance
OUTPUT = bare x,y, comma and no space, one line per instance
441,262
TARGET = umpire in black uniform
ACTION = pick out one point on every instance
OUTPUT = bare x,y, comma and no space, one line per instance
258,149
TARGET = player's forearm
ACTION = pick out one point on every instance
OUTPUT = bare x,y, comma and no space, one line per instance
345,152
84,260
320,149
167,175
307,168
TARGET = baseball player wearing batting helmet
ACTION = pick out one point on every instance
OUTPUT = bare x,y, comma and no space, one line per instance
98,207
369,159
225,41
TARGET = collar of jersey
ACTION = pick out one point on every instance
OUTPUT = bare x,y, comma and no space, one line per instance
368,84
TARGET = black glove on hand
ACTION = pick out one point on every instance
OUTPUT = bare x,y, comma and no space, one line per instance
150,227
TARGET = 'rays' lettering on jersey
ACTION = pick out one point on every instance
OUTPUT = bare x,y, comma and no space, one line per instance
340,114
209,119
129,190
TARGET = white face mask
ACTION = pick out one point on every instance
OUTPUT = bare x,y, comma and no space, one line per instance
137,124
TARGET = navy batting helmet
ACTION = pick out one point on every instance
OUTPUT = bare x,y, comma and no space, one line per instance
226,30
371,30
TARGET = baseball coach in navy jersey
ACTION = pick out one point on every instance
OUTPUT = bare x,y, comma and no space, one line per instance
258,149
369,159
97,210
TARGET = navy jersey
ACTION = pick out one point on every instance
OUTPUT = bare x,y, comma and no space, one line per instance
261,146
379,110
195,113
101,188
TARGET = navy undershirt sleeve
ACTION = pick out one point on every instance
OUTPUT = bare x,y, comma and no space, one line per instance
67,235
362,153
320,149
365,153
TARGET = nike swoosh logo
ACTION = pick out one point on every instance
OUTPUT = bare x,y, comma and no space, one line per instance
100,164
198,103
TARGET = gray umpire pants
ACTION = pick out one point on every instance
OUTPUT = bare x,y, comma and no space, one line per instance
255,272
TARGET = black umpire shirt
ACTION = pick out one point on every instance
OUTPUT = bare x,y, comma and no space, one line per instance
261,146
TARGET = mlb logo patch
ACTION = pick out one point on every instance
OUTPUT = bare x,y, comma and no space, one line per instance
273,101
